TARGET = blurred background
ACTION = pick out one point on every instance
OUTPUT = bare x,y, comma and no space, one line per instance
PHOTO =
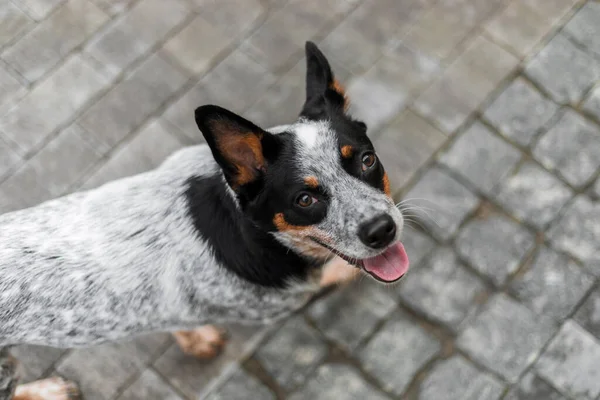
485,112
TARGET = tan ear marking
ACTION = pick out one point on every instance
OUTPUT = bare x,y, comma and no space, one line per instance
339,88
347,151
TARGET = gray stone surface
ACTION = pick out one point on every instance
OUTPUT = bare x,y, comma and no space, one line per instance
532,387
596,188
564,70
397,352
128,37
571,147
349,316
533,195
13,21
292,353
553,285
584,27
149,386
456,379
520,111
505,337
441,289
37,9
449,201
481,157
8,157
146,89
592,103
241,386
494,245
44,46
578,231
34,118
9,85
35,361
570,363
588,314
417,244
340,382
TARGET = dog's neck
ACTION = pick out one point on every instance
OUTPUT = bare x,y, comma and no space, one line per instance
237,243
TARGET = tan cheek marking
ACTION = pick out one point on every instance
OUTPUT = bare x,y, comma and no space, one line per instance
300,237
311,181
283,226
386,185
347,151
338,87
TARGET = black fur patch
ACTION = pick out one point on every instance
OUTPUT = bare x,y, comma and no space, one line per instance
238,243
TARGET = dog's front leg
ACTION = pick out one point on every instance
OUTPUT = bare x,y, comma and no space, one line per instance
205,342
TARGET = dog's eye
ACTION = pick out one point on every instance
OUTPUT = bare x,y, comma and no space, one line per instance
305,200
368,160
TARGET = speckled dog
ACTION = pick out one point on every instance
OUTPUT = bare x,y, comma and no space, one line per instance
238,230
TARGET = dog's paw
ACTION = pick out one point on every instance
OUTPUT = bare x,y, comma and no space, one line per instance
48,389
205,342
338,271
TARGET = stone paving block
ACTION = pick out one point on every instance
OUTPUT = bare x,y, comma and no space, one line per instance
232,16
52,103
348,316
596,188
192,376
494,245
21,190
292,353
43,47
578,232
35,361
397,352
553,285
146,151
441,289
63,161
518,27
149,386
340,382
533,195
378,95
38,9
481,157
456,379
417,245
198,55
93,367
588,315
505,337
241,386
532,387
564,70
592,103
465,83
286,30
131,35
114,7
552,10
8,157
9,85
13,21
450,202
584,27
520,112
570,363
234,84
571,147
405,146
132,101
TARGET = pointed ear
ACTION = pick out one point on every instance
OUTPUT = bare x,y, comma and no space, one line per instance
321,85
236,144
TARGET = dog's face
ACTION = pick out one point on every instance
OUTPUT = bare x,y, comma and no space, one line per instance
317,185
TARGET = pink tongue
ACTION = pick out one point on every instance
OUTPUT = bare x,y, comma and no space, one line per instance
390,265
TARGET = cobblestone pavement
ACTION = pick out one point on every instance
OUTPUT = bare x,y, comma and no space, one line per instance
486,114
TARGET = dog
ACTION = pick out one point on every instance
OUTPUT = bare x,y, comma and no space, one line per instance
240,229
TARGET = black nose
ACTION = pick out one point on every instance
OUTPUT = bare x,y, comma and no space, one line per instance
378,232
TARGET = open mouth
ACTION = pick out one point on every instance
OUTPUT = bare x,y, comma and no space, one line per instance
388,267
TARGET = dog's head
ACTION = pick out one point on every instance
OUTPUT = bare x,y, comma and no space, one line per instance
317,185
